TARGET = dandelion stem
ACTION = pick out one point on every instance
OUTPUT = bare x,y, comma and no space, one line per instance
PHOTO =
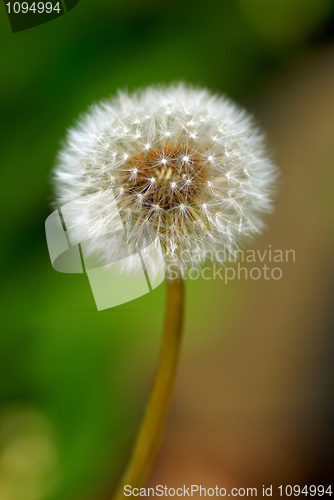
151,430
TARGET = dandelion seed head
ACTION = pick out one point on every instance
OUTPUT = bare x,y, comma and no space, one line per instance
193,190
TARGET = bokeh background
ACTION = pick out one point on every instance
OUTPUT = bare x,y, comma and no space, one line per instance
253,400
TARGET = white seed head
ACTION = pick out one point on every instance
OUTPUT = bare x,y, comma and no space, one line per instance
184,165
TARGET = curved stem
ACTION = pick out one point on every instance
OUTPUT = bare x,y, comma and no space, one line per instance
150,433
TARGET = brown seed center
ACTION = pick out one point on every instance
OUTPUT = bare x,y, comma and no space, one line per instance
164,178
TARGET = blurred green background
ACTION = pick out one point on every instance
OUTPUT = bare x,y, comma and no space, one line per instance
253,401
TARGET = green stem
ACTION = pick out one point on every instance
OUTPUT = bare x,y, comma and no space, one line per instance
150,433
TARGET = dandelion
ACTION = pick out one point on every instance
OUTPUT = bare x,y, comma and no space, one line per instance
185,166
